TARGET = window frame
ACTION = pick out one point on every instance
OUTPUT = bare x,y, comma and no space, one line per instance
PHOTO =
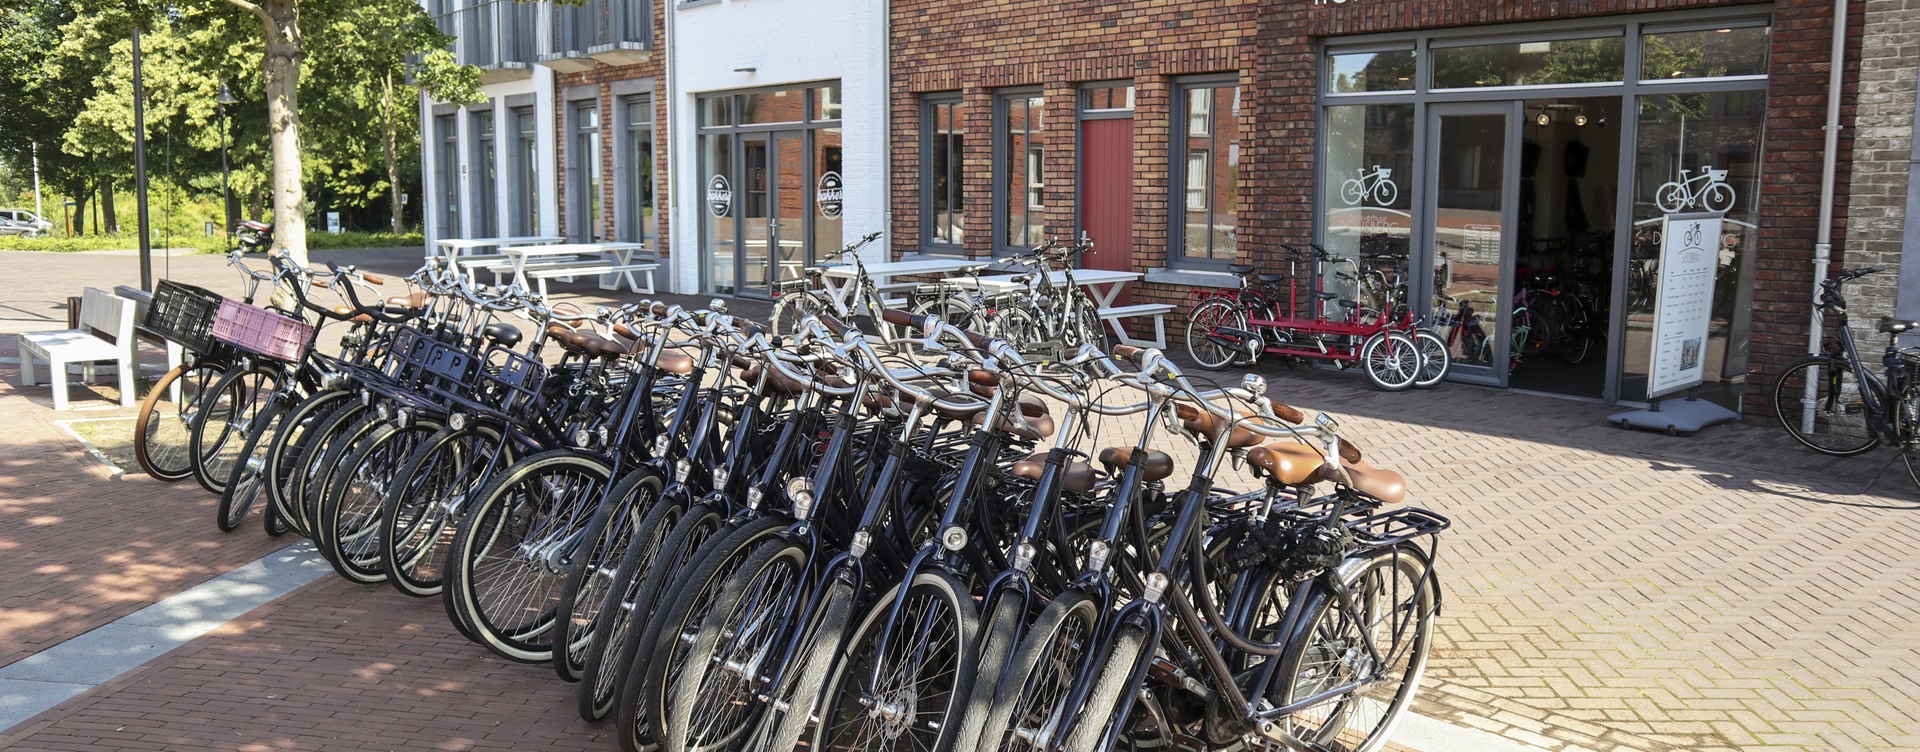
1178,155
1002,140
578,166
929,103
641,229
486,153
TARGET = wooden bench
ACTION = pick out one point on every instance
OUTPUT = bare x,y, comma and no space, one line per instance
573,269
1115,317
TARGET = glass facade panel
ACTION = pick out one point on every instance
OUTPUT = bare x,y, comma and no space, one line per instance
1100,97
784,106
447,165
716,183
1564,61
1366,198
640,224
1356,72
486,222
944,141
1207,164
585,221
826,102
1020,193
1709,53
829,200
526,173
1695,152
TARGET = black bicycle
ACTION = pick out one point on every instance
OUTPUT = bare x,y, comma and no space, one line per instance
1835,404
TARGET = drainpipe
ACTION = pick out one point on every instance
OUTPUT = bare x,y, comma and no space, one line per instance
671,127
1908,304
1823,241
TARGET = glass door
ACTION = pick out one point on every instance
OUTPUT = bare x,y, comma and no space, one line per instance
756,215
774,205
1470,211
789,212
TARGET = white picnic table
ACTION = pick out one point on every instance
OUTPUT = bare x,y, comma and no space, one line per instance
840,283
622,254
1104,285
453,248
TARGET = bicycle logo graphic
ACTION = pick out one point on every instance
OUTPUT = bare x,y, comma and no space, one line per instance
1375,185
1707,190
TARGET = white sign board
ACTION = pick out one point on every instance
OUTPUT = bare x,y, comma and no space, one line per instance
1689,256
333,222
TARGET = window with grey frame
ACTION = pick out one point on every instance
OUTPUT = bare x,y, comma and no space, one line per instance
1204,172
942,143
447,173
1019,197
583,160
525,187
639,221
485,176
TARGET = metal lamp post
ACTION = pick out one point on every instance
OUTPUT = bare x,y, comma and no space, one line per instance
226,191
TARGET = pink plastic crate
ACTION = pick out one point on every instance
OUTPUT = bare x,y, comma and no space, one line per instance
260,331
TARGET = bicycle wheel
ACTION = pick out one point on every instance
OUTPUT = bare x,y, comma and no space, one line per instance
164,430
921,685
799,691
693,578
585,593
1391,360
712,704
1111,687
794,308
1001,626
1392,602
341,446
297,432
352,513
1017,326
1834,421
1032,695
1087,329
315,468
508,563
246,481
226,421
429,497
1205,320
1435,361
953,309
603,672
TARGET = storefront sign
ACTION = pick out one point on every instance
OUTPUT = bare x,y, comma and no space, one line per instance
827,195
719,196
1689,256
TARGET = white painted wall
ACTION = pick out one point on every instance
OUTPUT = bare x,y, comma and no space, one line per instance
785,42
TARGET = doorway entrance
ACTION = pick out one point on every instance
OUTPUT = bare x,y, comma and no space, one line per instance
1106,178
770,186
1471,203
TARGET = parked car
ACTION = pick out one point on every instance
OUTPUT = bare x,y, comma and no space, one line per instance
23,222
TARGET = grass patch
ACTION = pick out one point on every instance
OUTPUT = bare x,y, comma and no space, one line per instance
113,437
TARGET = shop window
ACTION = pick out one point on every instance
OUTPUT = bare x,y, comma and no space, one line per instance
1357,72
1017,169
827,104
1205,162
942,142
784,106
1721,52
1539,63
1366,192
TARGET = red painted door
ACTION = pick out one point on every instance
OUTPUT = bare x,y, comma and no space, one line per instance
1106,194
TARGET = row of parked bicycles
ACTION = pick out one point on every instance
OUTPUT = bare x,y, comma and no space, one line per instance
888,534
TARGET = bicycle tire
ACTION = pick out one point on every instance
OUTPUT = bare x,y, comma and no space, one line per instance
691,583
297,432
504,568
603,672
352,513
223,425
1019,705
819,650
1841,409
793,308
1435,361
713,702
421,515
1390,360
1002,626
342,444
1318,653
1109,692
247,479
311,471
612,528
953,637
162,431
703,525
1205,318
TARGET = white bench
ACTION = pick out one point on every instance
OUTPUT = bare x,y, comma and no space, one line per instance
543,272
99,310
1115,318
503,266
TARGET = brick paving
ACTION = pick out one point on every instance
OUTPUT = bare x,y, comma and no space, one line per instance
1606,589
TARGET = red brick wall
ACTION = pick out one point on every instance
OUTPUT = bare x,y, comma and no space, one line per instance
978,46
610,138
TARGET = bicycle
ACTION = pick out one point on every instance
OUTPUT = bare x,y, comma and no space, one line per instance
1834,404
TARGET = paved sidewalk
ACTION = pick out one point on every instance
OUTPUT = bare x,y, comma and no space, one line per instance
1606,589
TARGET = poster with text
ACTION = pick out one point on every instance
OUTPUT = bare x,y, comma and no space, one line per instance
1689,257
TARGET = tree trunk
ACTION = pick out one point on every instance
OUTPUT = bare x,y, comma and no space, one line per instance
256,204
282,80
106,205
76,218
393,147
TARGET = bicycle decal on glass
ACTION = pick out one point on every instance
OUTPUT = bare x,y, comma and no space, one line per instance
1376,185
1707,191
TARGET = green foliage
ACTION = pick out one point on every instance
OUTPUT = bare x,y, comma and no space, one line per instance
127,242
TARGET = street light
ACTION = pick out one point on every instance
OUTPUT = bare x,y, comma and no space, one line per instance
226,192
